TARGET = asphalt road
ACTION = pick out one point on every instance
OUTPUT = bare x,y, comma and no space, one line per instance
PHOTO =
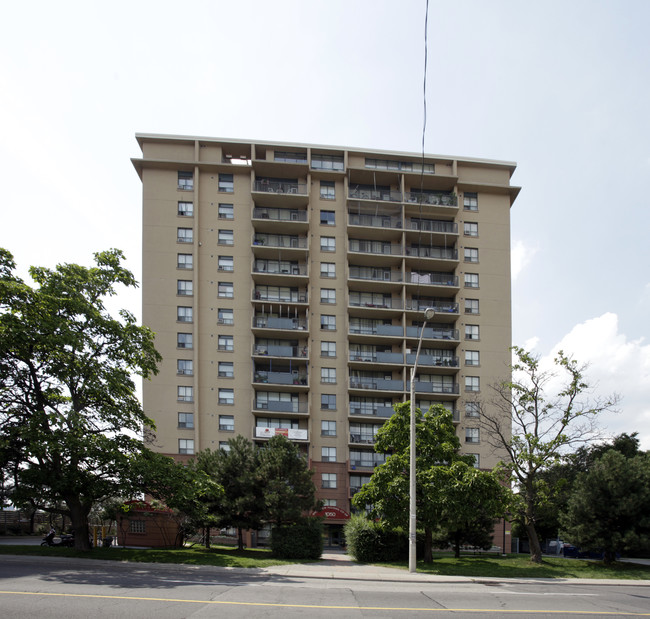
59,588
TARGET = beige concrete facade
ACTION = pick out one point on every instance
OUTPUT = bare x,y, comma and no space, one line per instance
286,284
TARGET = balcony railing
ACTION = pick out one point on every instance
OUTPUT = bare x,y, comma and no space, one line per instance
279,378
385,303
391,330
439,253
272,322
437,199
433,225
375,247
280,187
377,357
378,275
294,269
433,360
382,384
426,387
362,439
386,195
281,351
279,214
276,406
433,279
432,333
283,241
441,307
374,221
272,297
371,410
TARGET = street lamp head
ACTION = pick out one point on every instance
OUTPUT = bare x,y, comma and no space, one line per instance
429,313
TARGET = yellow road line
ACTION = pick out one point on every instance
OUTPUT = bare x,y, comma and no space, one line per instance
326,607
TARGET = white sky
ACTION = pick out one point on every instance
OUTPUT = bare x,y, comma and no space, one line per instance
562,88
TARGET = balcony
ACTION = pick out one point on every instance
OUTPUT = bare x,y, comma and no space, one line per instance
362,439
284,273
269,377
293,434
441,307
427,387
432,225
261,242
298,352
279,297
375,221
284,324
391,358
276,406
437,253
432,279
383,195
284,187
433,333
375,275
380,384
378,329
361,246
371,410
440,198
385,303
434,360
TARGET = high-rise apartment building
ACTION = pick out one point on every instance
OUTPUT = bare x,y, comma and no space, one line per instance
287,284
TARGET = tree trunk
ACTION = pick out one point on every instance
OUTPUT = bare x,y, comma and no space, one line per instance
207,536
428,545
79,519
529,523
609,556
240,539
457,547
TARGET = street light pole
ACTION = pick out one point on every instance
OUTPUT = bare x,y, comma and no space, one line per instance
429,313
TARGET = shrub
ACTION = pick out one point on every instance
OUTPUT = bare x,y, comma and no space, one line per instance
369,541
303,540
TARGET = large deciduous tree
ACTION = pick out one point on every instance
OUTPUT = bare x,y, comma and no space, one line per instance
535,423
70,420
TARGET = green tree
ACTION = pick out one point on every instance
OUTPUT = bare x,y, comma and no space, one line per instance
387,492
609,507
69,414
288,487
535,425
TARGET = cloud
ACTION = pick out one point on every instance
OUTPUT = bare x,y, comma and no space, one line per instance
521,256
615,365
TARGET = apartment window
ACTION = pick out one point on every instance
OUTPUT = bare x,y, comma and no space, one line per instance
328,375
472,383
225,316
327,295
184,287
185,366
472,357
227,423
226,263
226,369
328,269
224,445
184,340
328,454
186,420
327,162
328,349
185,235
227,397
186,446
327,322
328,401
471,280
328,480
185,394
185,181
226,343
470,201
471,306
471,332
327,243
470,254
470,228
327,218
328,428
226,290
289,157
472,409
226,211
226,183
226,237
184,313
185,209
477,460
327,190
329,502
472,435
184,261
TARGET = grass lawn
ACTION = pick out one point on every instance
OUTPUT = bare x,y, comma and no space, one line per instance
520,566
220,556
